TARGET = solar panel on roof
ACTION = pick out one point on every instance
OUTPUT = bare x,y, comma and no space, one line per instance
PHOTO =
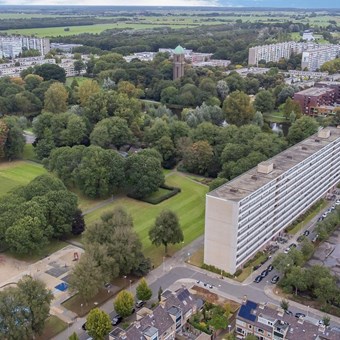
183,295
245,311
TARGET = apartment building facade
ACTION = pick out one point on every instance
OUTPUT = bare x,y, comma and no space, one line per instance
313,55
245,214
316,100
12,46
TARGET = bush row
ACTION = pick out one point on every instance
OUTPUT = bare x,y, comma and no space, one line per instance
156,200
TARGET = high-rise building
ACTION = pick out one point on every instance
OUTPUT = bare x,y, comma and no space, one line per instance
178,62
245,214
12,46
313,55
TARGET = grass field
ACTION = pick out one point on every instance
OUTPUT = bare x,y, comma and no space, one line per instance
14,174
188,204
53,326
69,80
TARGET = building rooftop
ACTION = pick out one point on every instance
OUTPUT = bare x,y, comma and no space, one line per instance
247,183
314,91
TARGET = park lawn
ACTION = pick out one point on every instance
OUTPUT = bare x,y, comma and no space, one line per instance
189,205
14,174
29,153
69,80
53,326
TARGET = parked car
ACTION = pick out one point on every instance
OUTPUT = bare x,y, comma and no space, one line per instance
257,266
211,286
337,202
275,279
286,251
84,326
293,245
315,238
140,303
116,320
270,268
288,312
258,279
300,315
306,232
264,273
301,238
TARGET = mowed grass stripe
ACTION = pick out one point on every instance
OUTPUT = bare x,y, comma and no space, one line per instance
21,173
188,205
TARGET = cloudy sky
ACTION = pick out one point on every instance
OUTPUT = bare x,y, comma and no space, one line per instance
229,3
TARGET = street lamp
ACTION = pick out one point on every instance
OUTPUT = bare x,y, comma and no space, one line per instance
130,284
307,310
163,263
229,328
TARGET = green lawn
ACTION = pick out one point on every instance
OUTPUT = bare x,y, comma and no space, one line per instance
188,204
29,153
53,326
14,174
78,79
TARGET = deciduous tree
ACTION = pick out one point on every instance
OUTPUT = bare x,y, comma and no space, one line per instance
56,98
123,303
98,324
143,291
166,230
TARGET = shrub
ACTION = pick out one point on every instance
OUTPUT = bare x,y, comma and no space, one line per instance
213,269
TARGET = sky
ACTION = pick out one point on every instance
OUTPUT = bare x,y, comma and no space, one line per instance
225,3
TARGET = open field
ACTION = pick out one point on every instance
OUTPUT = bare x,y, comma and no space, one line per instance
190,19
14,174
69,80
188,204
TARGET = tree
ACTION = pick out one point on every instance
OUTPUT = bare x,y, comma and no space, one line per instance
222,89
51,72
123,303
284,304
326,320
37,299
238,109
98,324
78,223
291,106
301,129
159,294
218,322
75,132
100,172
143,292
78,66
297,278
86,89
283,263
86,278
264,101
143,174
217,182
166,230
3,137
112,131
24,309
56,98
250,337
327,289
307,248
258,119
198,157
15,141
73,336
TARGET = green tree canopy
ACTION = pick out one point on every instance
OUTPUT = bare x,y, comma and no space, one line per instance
123,303
143,291
166,230
98,324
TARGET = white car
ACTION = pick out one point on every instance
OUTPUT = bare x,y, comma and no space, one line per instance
337,202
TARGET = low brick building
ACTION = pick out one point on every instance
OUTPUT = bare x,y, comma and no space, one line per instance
312,99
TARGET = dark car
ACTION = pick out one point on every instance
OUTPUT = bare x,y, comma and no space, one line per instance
293,245
300,315
116,320
288,312
264,273
306,232
140,303
258,279
270,268
84,326
275,279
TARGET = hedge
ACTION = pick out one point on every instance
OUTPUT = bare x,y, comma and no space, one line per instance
172,192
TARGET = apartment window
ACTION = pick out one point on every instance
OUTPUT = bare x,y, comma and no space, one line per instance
239,330
260,330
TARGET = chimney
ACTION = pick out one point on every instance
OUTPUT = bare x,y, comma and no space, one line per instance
265,167
261,305
324,133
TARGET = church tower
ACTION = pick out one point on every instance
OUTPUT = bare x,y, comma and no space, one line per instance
178,63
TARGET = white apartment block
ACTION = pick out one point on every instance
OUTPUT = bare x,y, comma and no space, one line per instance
314,55
12,46
314,59
243,215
